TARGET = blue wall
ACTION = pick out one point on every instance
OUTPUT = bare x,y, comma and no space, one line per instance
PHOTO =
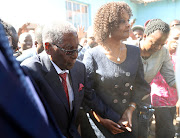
167,10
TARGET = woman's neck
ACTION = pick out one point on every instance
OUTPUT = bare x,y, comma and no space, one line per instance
112,44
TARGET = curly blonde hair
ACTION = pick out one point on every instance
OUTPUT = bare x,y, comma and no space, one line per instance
107,19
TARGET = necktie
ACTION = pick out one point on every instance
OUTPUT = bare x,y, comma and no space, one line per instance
64,83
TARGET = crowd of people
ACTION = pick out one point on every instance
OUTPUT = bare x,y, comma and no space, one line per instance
56,79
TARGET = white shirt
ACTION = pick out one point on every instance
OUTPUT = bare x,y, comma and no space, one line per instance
70,90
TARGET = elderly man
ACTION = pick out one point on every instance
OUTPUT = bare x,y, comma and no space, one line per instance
62,79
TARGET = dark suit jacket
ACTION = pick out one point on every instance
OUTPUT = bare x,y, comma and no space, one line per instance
19,116
48,81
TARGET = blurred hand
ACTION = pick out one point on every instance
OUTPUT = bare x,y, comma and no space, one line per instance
81,32
132,22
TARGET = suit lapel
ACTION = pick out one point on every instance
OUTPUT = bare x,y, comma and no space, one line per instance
52,78
73,75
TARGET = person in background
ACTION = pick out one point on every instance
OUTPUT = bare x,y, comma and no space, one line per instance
23,112
12,37
174,23
38,39
178,67
178,80
26,43
138,31
164,97
115,71
136,35
91,42
155,57
62,79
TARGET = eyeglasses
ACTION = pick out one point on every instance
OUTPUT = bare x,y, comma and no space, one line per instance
70,52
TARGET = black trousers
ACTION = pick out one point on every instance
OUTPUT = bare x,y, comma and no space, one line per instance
164,122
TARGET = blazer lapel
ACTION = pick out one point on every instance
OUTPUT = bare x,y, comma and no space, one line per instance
73,75
52,78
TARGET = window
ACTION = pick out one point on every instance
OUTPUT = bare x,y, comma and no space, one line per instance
77,13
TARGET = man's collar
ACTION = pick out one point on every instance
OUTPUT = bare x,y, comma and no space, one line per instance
58,70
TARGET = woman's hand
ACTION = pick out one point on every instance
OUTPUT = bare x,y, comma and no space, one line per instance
126,119
113,127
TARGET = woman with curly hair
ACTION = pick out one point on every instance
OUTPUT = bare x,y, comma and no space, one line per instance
115,70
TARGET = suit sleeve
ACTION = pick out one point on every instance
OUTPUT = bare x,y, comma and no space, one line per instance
90,98
167,70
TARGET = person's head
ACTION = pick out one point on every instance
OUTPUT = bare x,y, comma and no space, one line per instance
38,39
138,31
11,34
155,35
172,41
25,41
112,20
90,37
174,23
60,41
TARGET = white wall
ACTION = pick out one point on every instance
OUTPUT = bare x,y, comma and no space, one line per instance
18,12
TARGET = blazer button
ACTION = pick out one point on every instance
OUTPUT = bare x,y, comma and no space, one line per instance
102,78
125,93
127,84
116,75
116,86
128,74
124,101
115,101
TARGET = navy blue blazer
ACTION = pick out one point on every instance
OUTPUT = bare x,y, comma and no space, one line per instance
47,79
19,116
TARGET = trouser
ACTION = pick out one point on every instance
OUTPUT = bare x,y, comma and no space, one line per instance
164,122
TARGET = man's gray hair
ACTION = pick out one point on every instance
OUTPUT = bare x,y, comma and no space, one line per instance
53,32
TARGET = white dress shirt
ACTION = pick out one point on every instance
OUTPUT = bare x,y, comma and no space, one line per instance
70,90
